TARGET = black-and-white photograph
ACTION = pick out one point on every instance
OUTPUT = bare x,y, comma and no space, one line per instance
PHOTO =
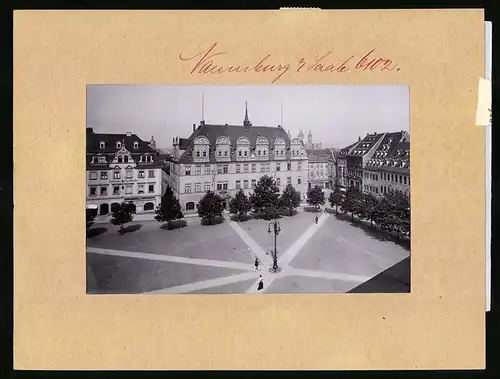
247,189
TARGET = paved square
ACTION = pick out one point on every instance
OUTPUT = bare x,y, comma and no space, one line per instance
331,256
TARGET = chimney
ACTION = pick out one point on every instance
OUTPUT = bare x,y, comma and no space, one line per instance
359,138
129,134
194,127
279,126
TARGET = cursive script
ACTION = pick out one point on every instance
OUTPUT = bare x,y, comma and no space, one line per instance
210,61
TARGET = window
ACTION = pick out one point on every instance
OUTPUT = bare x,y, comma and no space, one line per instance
207,186
187,188
254,183
239,153
381,189
151,188
404,180
264,152
197,170
104,191
238,168
204,153
408,180
245,184
141,174
140,188
101,159
238,184
92,191
225,169
151,173
224,185
245,167
136,145
289,166
128,190
116,190
93,175
220,153
219,169
258,152
262,167
246,153
268,167
104,175
102,144
188,170
129,174
254,167
289,180
219,186
400,179
118,145
299,180
116,175
278,182
299,166
197,187
207,169
197,153
278,166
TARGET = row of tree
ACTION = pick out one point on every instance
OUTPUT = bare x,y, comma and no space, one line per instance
389,212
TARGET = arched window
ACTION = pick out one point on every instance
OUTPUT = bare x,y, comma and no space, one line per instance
189,206
201,147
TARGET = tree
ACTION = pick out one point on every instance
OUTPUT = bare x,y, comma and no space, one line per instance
352,201
240,204
90,217
169,209
336,198
315,196
122,215
370,208
210,206
265,196
290,198
394,213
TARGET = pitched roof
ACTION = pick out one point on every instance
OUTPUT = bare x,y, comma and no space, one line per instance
110,140
391,155
233,132
319,155
365,144
345,151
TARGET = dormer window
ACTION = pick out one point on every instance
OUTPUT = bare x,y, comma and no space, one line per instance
151,158
118,145
136,145
102,145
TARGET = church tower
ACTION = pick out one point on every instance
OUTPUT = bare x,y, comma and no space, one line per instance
246,122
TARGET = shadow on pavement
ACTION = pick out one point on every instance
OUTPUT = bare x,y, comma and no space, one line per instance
214,221
243,218
395,279
94,232
374,231
286,213
132,228
177,224
311,209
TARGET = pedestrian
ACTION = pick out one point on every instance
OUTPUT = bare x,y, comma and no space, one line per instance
316,219
256,264
261,283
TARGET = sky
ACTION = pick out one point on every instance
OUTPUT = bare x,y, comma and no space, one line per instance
336,114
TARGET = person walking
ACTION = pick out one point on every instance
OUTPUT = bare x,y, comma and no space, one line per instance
260,286
316,220
256,264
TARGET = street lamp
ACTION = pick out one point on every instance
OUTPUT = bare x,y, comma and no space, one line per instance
274,227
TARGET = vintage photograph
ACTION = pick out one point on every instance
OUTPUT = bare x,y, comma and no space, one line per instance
247,189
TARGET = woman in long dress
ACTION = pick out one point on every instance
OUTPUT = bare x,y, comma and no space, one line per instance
261,283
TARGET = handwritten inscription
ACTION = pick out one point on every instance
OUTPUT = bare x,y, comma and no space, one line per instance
210,61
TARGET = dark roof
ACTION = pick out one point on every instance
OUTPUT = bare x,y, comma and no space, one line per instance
109,151
365,144
233,132
391,155
345,151
319,155
110,140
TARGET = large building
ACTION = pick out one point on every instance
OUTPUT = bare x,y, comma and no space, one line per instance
389,168
227,158
122,168
376,164
321,168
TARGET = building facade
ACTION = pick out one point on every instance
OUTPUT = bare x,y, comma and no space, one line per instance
321,168
122,168
389,168
227,158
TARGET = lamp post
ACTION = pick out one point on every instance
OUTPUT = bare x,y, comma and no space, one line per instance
274,227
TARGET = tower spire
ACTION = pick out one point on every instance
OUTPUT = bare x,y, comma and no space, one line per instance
281,113
203,107
246,122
